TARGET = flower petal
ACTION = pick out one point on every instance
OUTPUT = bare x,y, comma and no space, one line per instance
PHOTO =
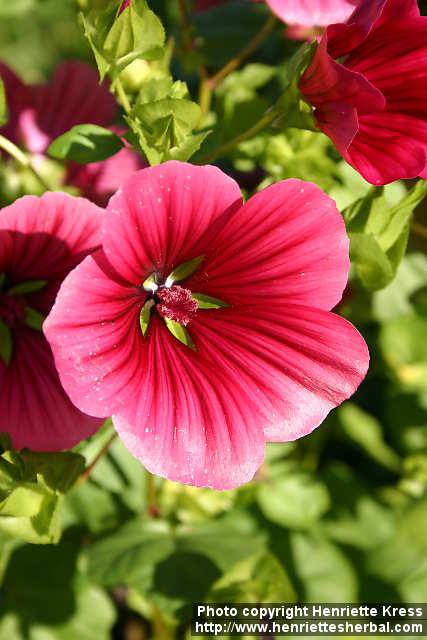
18,97
34,409
310,13
50,236
288,242
294,363
73,96
161,216
389,147
98,181
98,345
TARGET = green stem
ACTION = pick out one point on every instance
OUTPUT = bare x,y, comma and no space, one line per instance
185,25
152,508
236,62
208,85
269,117
87,472
121,94
22,159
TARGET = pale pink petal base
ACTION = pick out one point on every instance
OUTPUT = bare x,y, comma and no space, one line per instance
311,13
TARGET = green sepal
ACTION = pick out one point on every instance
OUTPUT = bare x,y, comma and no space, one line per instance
207,302
180,333
30,286
150,284
145,316
34,319
6,343
184,270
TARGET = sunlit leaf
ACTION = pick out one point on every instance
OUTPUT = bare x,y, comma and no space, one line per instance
85,143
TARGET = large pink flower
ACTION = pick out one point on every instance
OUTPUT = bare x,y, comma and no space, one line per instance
41,113
311,13
41,240
368,86
269,366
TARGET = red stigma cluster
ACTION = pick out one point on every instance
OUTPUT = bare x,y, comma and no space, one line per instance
176,304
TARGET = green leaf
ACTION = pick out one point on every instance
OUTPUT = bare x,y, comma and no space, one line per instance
130,552
6,343
3,105
184,270
118,40
34,319
324,570
366,432
379,233
180,333
164,126
145,315
32,486
56,602
207,302
85,143
403,342
30,286
295,499
257,579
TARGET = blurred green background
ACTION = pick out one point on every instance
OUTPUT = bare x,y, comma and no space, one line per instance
338,516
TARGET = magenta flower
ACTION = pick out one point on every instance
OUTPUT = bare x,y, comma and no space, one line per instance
311,13
41,113
203,324
367,84
41,240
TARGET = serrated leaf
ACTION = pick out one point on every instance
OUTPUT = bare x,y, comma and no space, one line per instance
6,343
3,105
180,333
30,286
118,40
85,143
145,315
379,233
208,302
184,270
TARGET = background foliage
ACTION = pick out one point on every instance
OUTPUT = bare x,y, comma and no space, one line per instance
338,516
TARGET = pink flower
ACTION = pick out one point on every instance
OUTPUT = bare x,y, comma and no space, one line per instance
368,86
74,96
124,5
268,366
312,13
41,240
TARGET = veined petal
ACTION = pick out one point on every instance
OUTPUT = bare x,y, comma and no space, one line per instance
288,242
73,96
34,409
201,418
310,13
164,216
94,331
49,236
389,147
18,97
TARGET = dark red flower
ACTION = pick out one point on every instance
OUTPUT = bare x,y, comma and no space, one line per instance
368,86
